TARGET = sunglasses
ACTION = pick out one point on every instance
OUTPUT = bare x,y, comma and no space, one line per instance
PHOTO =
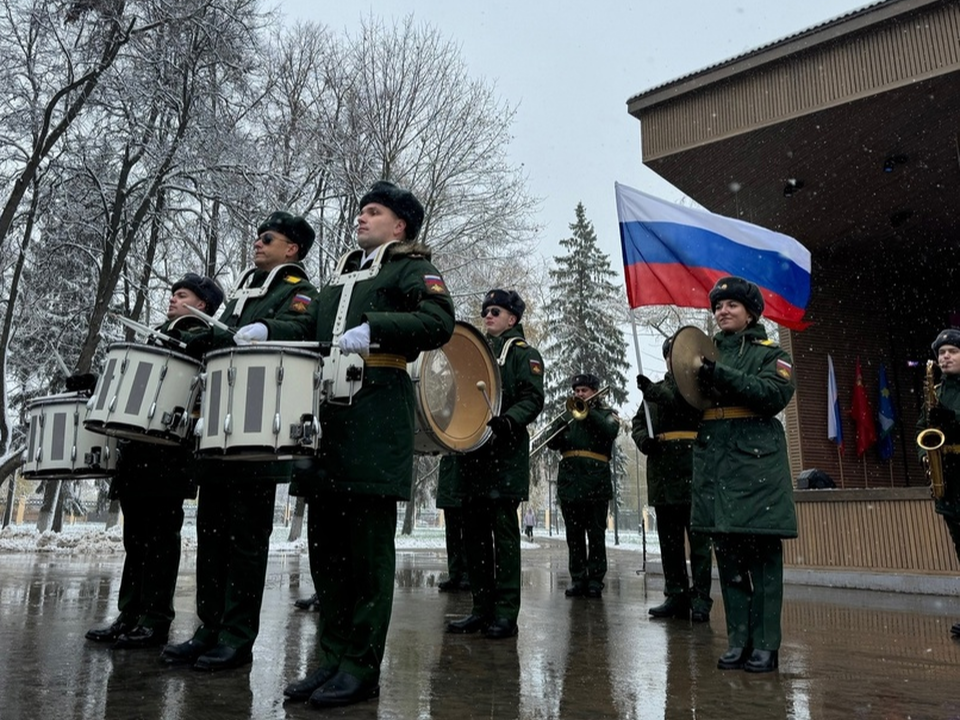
268,238
491,311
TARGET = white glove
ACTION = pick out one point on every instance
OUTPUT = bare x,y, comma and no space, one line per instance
356,340
249,334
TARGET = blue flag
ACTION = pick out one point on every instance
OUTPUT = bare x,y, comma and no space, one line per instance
885,418
834,423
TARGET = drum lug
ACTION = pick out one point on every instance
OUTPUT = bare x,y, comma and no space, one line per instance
306,431
276,423
228,424
280,375
152,411
113,404
198,428
231,376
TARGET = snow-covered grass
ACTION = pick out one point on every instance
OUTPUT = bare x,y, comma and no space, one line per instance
92,538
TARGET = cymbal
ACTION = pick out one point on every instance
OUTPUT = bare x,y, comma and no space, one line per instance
689,345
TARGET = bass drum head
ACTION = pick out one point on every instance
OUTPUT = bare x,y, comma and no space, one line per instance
452,412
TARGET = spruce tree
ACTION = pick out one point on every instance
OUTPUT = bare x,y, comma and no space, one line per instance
585,308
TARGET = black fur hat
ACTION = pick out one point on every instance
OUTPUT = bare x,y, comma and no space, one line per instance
743,291
403,203
507,299
204,288
585,380
950,336
295,228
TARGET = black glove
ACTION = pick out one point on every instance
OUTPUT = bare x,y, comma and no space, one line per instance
644,383
649,446
705,372
82,382
941,416
502,425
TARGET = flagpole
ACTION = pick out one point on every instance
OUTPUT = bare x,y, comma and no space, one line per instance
636,348
840,463
863,458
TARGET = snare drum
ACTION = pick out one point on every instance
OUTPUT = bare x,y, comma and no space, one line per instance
58,445
260,402
451,410
144,393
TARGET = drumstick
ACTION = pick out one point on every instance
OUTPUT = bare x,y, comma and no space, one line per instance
134,325
482,387
209,320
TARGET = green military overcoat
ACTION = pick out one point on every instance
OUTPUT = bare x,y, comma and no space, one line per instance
948,393
741,476
670,463
500,469
367,446
586,478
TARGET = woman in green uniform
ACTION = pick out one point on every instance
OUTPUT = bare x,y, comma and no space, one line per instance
742,491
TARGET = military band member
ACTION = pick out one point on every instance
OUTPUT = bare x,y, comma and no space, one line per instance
669,454
394,305
151,484
235,508
742,491
943,416
584,486
495,478
448,500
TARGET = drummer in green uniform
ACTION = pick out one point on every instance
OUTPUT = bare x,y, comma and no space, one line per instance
584,486
387,304
669,451
235,508
151,484
944,416
495,478
742,491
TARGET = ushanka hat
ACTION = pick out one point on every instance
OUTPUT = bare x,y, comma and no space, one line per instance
743,291
295,228
509,300
403,203
204,288
585,380
950,336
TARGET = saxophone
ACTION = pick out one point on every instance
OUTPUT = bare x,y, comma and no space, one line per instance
932,439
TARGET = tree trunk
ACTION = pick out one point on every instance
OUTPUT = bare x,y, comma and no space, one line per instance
8,471
409,517
51,500
113,514
296,520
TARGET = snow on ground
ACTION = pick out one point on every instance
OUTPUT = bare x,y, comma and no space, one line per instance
93,539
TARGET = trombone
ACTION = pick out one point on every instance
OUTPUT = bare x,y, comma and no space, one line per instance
576,408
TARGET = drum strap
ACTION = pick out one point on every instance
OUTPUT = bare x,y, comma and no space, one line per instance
241,291
728,413
385,360
678,435
506,346
586,454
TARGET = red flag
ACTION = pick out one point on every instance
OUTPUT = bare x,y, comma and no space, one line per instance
862,415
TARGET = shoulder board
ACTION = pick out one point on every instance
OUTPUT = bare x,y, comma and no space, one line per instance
521,344
766,342
293,279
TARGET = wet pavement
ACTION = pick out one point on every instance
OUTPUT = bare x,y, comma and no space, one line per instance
846,654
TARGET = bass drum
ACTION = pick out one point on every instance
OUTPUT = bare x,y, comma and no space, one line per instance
451,410
58,445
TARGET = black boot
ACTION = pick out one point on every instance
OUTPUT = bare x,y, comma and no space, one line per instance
762,661
143,637
469,624
310,603
110,633
223,657
675,606
734,658
344,689
303,689
184,653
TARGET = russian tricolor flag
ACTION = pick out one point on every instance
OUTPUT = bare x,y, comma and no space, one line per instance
673,255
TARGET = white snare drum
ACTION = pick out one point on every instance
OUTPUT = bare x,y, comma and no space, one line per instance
260,402
144,393
59,447
452,412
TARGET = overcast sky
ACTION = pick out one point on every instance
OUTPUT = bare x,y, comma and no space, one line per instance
571,69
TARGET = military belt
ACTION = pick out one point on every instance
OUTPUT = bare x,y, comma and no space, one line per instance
586,454
385,360
678,435
728,413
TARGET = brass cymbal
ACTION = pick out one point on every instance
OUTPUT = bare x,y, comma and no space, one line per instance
689,345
